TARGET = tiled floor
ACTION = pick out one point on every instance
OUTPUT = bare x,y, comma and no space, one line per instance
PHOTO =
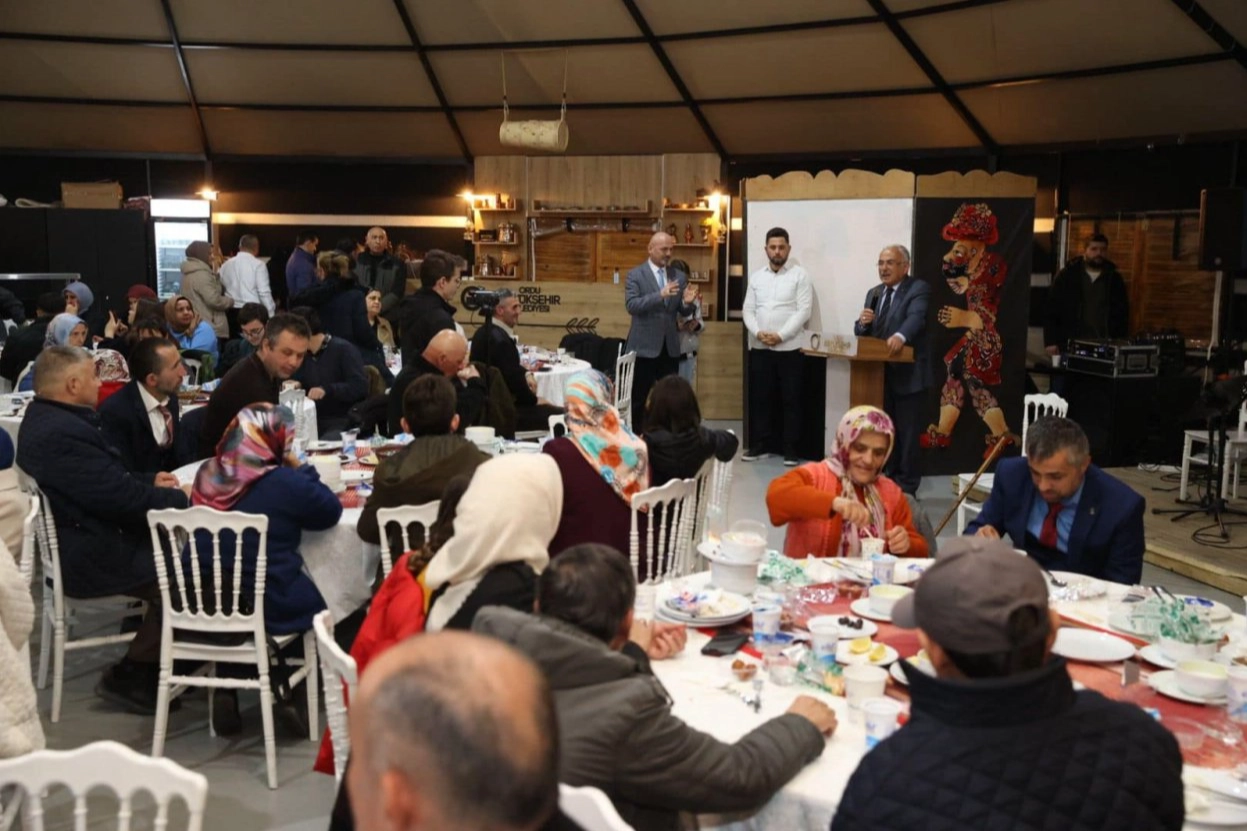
238,797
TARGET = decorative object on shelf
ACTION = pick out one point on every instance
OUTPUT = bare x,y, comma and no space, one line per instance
700,277
487,235
705,232
688,233
507,232
534,135
672,230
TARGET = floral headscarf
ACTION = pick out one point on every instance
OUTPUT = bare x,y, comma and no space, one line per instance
256,442
61,327
110,366
594,426
855,422
171,315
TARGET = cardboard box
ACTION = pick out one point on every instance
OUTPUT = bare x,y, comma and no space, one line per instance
91,194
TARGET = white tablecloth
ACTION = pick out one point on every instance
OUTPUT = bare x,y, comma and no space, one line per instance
550,384
340,564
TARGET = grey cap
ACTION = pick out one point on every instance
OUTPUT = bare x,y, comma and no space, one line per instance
963,602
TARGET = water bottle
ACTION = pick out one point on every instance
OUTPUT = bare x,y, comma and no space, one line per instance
616,278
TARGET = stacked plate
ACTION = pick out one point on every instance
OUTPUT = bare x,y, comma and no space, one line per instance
730,608
1215,798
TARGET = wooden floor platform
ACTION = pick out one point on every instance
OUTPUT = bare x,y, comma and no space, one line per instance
1169,544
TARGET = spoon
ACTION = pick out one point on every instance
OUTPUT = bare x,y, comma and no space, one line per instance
1060,584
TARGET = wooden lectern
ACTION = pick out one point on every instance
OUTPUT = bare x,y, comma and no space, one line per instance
866,368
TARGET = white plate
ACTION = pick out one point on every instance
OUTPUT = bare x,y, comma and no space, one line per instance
1218,781
899,676
324,445
354,477
1090,646
700,623
1218,611
846,658
1165,682
868,629
736,607
1153,655
861,608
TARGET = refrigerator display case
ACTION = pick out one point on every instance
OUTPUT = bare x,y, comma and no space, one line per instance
176,223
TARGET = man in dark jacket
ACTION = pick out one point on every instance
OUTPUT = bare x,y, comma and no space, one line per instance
332,374
377,268
141,419
999,738
25,344
252,318
428,311
1087,300
616,729
495,345
100,510
419,472
445,355
341,304
301,267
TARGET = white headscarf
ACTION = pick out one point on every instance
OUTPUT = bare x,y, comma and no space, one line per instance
507,515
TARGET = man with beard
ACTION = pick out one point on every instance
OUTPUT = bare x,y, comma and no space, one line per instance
1087,300
654,297
974,361
378,269
777,305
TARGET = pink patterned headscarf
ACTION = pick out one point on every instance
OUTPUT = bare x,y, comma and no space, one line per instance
256,442
856,421
111,366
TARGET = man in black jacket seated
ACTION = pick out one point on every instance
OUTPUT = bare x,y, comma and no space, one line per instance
332,374
24,345
999,738
495,345
141,419
100,510
428,311
446,354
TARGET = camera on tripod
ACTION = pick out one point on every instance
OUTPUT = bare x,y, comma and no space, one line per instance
475,298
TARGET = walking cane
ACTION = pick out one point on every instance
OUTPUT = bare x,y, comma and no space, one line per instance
991,457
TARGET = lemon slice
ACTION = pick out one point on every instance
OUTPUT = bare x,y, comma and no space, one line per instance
859,645
878,652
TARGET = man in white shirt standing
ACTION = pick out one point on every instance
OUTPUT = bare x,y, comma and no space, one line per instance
245,279
778,303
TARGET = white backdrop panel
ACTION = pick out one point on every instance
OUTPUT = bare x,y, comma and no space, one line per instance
838,242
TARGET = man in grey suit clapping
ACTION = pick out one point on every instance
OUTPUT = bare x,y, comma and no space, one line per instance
654,296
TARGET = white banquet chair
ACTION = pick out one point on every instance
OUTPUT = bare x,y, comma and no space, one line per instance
26,561
194,369
625,369
589,808
190,604
1235,450
339,676
557,421
110,765
668,536
1035,407
404,516
58,609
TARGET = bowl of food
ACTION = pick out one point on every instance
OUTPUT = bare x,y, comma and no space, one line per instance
883,598
1177,650
1203,679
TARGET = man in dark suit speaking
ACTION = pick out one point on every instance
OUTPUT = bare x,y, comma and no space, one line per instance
654,297
1064,511
896,312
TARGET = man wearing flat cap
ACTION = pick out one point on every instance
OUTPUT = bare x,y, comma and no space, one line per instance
999,738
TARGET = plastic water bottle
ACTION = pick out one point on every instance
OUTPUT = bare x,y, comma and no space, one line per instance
616,279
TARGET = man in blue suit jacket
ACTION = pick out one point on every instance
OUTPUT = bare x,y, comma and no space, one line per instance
896,311
654,296
1064,511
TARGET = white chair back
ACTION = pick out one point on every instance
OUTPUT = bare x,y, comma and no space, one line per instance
21,376
668,537
590,809
405,516
1039,406
29,541
205,591
557,421
194,368
625,369
111,765
338,671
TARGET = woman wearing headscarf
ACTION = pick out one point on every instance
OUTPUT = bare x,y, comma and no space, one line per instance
64,330
255,472
187,330
80,301
113,372
830,506
202,287
602,465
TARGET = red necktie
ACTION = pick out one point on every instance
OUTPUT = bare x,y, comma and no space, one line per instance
168,417
1047,534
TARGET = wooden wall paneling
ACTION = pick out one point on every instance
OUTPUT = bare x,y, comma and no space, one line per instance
549,310
595,181
685,173
623,251
720,371
976,183
567,256
504,175
850,184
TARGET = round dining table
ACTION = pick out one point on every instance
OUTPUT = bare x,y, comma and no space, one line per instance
705,694
552,378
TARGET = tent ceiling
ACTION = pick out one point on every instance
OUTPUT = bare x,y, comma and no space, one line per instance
422,79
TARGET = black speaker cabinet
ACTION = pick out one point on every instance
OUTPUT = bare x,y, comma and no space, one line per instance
1223,229
1132,420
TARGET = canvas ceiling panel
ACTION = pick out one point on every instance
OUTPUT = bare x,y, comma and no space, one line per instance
307,21
493,21
1232,14
864,57
1153,103
90,71
666,17
81,127
105,18
900,123
1028,37
594,74
330,134
232,76
597,132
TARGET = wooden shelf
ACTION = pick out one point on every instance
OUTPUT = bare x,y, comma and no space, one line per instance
517,209
645,211
694,245
689,210
485,242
